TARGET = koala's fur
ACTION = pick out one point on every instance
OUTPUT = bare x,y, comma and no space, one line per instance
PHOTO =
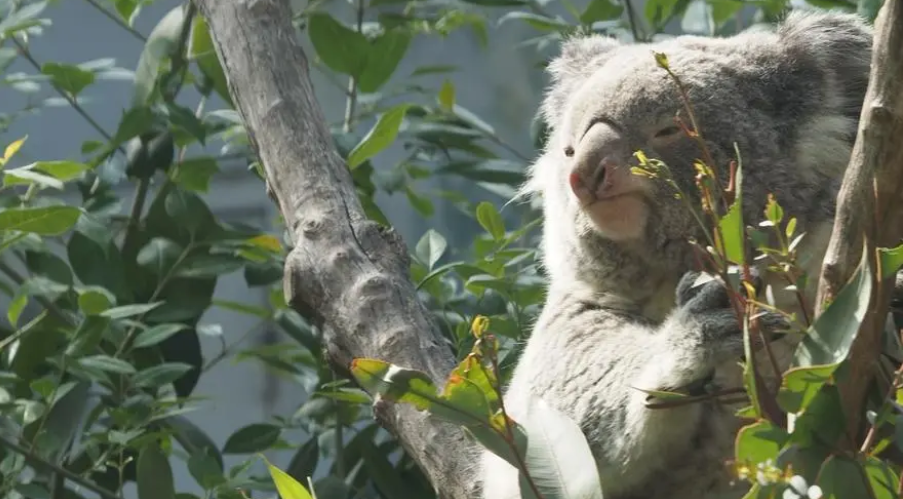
615,318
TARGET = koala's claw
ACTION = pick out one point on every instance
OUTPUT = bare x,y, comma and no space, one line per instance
708,306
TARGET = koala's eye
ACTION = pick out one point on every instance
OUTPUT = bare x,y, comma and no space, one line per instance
667,132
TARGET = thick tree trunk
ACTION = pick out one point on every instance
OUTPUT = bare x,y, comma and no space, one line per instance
345,271
870,203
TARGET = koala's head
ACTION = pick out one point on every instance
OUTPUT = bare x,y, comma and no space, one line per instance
789,99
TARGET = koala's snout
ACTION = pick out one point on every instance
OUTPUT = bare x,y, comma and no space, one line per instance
591,184
599,164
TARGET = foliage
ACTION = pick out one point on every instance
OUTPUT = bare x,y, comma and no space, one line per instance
101,356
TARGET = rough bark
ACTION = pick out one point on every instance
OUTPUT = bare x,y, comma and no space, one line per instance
345,271
870,204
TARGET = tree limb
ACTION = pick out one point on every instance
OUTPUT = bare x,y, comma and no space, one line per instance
347,273
870,205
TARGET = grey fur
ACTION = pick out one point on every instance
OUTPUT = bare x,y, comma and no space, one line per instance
613,320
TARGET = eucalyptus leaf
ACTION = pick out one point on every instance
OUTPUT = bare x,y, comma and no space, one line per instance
379,137
155,480
558,457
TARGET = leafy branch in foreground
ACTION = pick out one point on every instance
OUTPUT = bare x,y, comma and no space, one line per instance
789,447
539,447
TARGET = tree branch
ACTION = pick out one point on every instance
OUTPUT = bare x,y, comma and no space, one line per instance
346,272
870,205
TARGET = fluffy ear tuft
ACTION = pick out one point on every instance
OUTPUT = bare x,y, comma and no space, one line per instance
580,56
840,44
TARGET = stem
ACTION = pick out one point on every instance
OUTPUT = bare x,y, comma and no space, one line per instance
23,50
130,336
131,230
631,20
493,358
873,429
27,328
228,349
47,304
116,19
39,462
179,65
351,103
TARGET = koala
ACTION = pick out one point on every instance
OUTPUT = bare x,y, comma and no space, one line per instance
622,312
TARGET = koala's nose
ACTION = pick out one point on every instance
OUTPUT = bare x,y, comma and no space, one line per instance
589,183
597,155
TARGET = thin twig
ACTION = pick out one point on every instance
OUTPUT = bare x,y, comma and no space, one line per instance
227,349
631,20
39,462
47,304
23,50
116,19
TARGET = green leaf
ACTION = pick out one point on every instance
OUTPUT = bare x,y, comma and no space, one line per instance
192,438
600,10
63,421
730,231
126,9
93,300
205,470
130,310
723,10
107,363
430,248
304,462
340,48
869,9
882,478
46,221
194,174
842,478
88,335
386,478
244,308
379,137
287,486
21,18
26,176
536,21
891,261
159,255
383,55
447,95
800,385
134,122
16,306
491,220
829,338
210,266
558,457
657,11
759,442
154,474
69,78
201,50
422,204
773,211
154,335
252,438
60,170
161,43
395,383
160,375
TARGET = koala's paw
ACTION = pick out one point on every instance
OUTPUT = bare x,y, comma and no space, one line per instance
707,308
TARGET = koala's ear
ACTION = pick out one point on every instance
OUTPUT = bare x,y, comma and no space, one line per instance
580,57
839,44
